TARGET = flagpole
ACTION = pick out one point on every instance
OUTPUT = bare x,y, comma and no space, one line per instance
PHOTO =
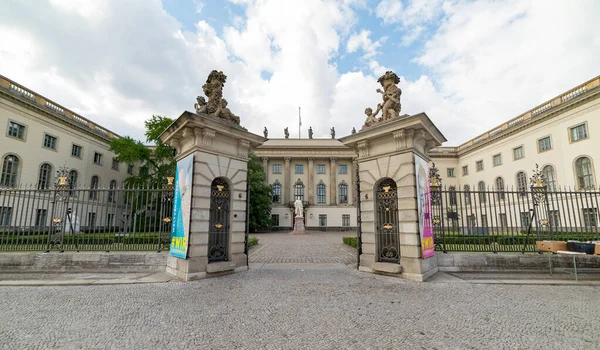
299,122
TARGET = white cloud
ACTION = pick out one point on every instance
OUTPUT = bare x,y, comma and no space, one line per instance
389,10
199,6
412,18
361,41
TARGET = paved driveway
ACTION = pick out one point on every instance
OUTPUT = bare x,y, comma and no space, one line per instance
312,248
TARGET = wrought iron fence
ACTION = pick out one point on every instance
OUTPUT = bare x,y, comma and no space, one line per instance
79,219
504,220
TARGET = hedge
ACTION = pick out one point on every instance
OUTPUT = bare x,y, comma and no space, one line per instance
252,241
351,241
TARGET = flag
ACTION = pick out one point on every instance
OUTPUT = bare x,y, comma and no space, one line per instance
299,117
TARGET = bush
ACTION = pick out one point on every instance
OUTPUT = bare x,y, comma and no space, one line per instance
252,241
351,241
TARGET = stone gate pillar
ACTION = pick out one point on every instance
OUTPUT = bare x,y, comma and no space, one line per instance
220,150
391,241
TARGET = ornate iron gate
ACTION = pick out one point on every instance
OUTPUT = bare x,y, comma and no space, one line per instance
387,235
218,230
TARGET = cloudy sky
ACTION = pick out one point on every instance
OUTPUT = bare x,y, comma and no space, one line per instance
470,65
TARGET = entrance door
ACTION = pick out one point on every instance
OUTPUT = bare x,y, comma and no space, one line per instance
387,235
218,230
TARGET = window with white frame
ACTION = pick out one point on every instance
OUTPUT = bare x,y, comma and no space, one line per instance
115,164
345,220
521,178
299,191
342,169
544,144
50,141
590,217
481,188
321,193
44,176
518,153
276,192
500,187
343,193
479,165
10,171
97,158
320,168
465,170
276,168
578,132
299,169
497,159
549,177
76,151
323,220
450,172
584,173
16,130
5,216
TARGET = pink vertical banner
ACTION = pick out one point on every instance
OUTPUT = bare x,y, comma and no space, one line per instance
424,207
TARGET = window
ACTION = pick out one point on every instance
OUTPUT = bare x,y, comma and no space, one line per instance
299,169
5,216
276,192
50,141
321,193
503,221
94,184
518,153
40,217
76,151
522,183
472,220
299,191
497,159
115,164
584,174
450,172
554,218
320,169
91,219
346,220
590,217
484,220
343,193
481,188
97,158
525,219
323,220
467,189
544,144
110,220
10,168
452,195
500,187
465,170
578,132
275,220
111,193
479,165
276,168
16,130
44,176
549,177
130,169
342,169
72,181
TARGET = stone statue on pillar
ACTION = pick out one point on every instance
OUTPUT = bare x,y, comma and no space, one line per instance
391,106
216,106
298,208
299,228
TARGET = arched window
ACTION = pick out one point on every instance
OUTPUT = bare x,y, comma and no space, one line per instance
111,192
44,176
299,191
549,177
10,169
467,194
343,192
481,189
276,192
500,187
72,181
94,184
585,176
321,193
452,194
522,183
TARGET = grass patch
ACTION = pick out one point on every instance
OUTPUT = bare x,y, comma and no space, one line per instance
351,241
252,241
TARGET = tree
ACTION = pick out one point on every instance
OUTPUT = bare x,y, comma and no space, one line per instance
156,162
261,195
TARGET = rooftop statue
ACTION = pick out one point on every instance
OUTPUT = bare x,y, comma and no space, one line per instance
216,106
390,108
287,133
353,130
310,133
332,132
266,132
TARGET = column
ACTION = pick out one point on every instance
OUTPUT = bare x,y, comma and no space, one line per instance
266,167
286,181
332,181
311,180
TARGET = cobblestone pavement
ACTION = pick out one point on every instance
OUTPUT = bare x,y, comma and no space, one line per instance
295,309
315,247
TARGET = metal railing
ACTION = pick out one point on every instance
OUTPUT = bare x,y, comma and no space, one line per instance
85,219
512,220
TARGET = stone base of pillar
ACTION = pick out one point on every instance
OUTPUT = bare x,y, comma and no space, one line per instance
299,228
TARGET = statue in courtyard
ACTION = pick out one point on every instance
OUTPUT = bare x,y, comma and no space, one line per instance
286,133
332,132
224,113
266,132
298,208
391,95
200,106
310,132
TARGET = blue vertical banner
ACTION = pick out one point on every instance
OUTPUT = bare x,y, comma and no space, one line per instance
182,207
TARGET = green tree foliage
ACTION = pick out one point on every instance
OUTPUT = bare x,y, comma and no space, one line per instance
155,162
261,195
